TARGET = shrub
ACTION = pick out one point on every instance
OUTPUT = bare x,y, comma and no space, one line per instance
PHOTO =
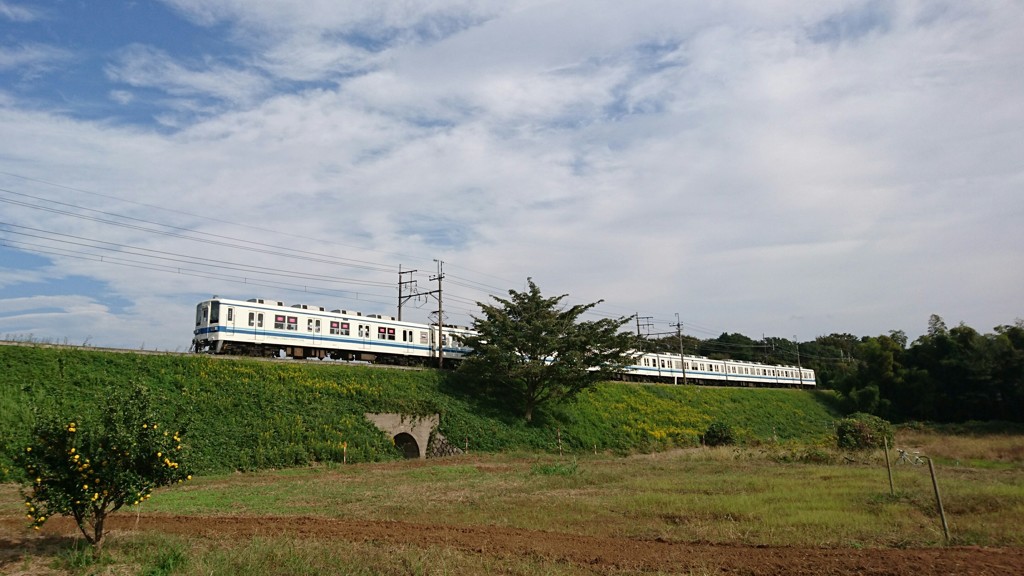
89,469
719,434
862,431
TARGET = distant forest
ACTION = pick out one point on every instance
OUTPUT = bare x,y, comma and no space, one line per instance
947,375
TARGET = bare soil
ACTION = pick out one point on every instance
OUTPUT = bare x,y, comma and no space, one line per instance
597,554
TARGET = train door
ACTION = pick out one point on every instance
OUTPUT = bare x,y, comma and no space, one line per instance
364,336
313,330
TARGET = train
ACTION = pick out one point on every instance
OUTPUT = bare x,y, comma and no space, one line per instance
270,328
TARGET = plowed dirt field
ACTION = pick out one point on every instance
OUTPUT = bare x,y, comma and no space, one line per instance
599,555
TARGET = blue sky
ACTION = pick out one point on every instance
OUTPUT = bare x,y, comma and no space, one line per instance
778,168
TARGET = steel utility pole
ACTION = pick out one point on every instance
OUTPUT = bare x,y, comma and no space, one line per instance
401,288
440,314
646,324
799,368
682,359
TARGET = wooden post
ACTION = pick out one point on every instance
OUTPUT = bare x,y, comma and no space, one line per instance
938,499
344,452
559,432
888,466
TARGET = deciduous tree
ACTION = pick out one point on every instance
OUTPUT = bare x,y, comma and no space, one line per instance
87,470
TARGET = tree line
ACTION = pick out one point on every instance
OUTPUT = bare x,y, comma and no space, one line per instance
947,375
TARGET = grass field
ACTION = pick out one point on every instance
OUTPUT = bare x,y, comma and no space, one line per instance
721,497
243,414
632,493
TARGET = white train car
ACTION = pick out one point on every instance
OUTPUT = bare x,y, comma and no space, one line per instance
258,327
701,370
269,328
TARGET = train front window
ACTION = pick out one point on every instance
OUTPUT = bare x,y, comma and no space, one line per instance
200,314
214,312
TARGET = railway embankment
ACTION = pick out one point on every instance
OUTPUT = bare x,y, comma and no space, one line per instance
248,414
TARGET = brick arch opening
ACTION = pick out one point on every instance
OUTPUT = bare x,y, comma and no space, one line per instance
408,445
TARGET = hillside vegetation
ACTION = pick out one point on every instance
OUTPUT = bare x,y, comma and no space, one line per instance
240,414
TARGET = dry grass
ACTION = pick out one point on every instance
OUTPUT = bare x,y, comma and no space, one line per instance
976,449
719,495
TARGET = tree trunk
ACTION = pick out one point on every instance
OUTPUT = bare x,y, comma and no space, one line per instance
97,541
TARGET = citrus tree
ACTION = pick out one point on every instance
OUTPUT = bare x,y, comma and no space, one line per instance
536,350
87,470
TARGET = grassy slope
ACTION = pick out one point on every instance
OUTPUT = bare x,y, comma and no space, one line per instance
245,414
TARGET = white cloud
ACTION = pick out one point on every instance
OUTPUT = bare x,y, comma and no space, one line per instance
756,167
18,13
32,58
122,97
147,67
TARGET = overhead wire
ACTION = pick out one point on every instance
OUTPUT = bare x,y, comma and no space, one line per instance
249,281
230,242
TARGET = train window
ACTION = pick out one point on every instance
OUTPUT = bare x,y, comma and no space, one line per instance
293,323
309,324
231,314
423,338
337,327
391,333
252,318
382,333
214,312
259,320
316,326
200,314
279,322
